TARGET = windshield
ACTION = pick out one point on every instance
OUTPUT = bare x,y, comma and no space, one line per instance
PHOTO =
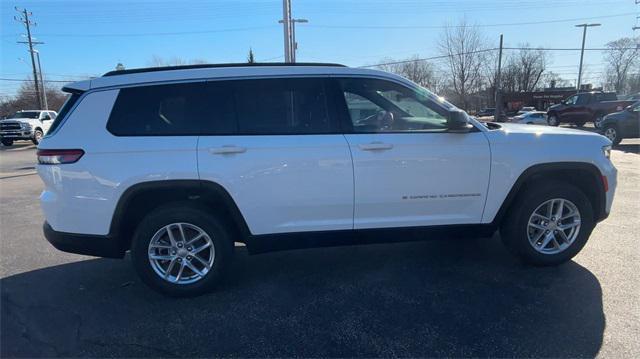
25,114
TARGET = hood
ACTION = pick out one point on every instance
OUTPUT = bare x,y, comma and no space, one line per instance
553,107
512,128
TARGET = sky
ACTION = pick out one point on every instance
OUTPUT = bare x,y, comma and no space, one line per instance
88,38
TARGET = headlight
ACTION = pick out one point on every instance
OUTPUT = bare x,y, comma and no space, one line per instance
25,126
607,151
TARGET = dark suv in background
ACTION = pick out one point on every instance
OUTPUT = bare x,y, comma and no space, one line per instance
623,124
585,107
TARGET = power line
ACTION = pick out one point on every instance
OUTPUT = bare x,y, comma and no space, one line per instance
455,26
427,58
24,19
23,80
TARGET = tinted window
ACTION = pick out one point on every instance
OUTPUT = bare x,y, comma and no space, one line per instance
281,106
384,106
25,114
582,100
64,111
176,109
609,96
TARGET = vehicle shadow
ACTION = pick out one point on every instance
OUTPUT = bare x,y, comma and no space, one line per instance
628,148
17,146
437,298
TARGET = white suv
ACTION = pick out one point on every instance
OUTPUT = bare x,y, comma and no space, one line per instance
29,125
177,164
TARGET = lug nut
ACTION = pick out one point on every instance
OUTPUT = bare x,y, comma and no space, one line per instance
179,245
179,259
189,249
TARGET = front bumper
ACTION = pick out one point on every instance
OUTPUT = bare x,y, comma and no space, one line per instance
92,245
17,134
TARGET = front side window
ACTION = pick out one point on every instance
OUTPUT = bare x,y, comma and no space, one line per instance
383,106
571,100
582,100
281,106
175,109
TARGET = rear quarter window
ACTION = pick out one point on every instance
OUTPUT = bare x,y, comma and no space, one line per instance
160,110
64,111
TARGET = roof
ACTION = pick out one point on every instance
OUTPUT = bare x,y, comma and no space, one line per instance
208,66
221,71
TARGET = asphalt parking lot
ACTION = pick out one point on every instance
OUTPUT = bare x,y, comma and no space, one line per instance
434,298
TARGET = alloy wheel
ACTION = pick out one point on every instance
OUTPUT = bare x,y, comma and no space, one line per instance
553,226
611,134
181,253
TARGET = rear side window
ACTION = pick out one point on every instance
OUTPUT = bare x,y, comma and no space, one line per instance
161,110
64,111
609,96
281,106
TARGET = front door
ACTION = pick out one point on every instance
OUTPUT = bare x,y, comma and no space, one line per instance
408,170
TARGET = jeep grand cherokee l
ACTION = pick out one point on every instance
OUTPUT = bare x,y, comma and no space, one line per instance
177,164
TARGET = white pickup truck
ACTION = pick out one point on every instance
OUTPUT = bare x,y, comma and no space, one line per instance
30,125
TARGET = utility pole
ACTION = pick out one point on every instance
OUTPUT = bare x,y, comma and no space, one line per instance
44,89
498,95
286,22
584,36
24,18
294,43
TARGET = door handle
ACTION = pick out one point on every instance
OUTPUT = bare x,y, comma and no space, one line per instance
227,150
375,146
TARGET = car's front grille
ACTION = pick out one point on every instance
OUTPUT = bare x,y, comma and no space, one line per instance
6,126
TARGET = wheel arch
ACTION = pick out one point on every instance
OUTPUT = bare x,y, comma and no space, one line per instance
585,176
141,198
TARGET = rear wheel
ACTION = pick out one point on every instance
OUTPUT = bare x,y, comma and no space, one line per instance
7,142
181,251
611,132
553,120
37,136
549,224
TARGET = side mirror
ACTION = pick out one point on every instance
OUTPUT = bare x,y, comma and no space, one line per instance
629,108
458,122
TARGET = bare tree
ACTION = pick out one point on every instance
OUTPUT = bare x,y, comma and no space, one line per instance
419,71
463,45
26,99
621,58
530,66
551,79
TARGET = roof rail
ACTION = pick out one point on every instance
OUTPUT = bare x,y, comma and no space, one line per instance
207,66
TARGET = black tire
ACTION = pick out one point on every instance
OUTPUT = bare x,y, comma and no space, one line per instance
159,218
597,120
37,136
514,229
7,142
611,132
552,120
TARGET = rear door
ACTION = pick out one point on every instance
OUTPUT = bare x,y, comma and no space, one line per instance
408,170
274,146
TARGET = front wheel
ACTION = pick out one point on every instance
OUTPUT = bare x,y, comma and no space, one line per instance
37,136
549,224
553,120
181,251
597,120
611,132
7,142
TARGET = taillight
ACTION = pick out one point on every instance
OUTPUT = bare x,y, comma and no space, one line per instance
57,157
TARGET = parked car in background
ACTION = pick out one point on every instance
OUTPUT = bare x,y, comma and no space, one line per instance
485,112
585,107
623,124
526,109
531,118
177,164
30,125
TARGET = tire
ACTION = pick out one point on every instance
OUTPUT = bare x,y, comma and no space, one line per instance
517,234
183,281
7,142
552,120
37,136
529,123
597,120
611,132
580,123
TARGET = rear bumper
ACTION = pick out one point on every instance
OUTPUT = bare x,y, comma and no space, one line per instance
92,245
